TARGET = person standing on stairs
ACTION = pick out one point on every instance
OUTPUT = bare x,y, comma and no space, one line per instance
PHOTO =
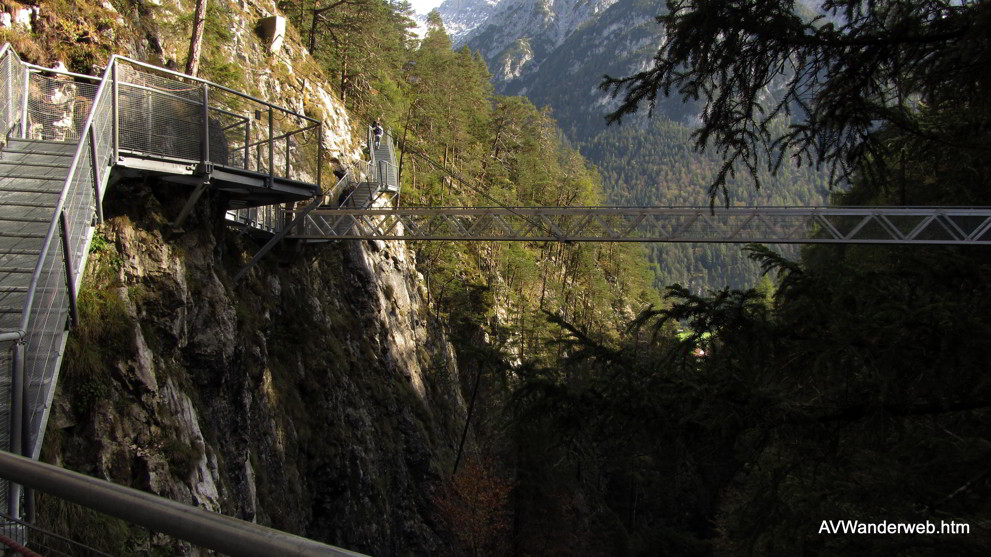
378,133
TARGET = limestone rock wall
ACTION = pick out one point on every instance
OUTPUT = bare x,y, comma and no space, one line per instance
316,396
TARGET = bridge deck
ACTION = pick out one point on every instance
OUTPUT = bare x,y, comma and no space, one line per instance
791,225
243,188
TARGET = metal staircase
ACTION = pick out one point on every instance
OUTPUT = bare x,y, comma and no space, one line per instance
32,174
383,163
62,136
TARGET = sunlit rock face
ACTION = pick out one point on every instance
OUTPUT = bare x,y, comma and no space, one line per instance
318,395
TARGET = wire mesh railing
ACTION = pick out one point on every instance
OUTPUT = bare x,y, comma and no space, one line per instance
58,274
11,87
22,538
56,106
174,116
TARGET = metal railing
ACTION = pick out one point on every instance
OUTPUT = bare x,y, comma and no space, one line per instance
176,116
11,87
140,110
22,538
56,106
51,295
778,225
210,530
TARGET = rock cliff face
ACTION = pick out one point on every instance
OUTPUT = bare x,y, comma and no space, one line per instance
316,396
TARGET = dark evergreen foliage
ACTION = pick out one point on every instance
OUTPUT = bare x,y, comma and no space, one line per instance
841,75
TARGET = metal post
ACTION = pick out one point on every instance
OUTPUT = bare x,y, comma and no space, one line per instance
16,424
247,140
271,143
96,175
10,93
287,156
29,505
115,104
319,154
205,147
70,281
24,104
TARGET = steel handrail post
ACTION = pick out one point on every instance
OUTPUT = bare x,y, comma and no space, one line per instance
16,422
205,146
319,155
10,86
287,156
91,137
115,106
247,140
70,280
24,104
271,146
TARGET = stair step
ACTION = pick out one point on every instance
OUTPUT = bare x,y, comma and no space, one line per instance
16,270
17,252
27,189
46,149
21,218
47,182
18,234
25,212
18,169
13,289
36,199
17,150
11,309
42,143
61,159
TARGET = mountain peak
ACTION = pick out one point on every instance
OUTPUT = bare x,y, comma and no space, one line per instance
463,16
519,34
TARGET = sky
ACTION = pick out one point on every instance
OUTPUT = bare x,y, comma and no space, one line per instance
424,6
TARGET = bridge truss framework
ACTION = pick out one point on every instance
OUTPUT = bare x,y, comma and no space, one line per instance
783,225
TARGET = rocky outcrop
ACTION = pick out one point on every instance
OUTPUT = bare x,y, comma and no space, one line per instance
316,396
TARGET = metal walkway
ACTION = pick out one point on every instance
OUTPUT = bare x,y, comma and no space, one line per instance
66,137
767,225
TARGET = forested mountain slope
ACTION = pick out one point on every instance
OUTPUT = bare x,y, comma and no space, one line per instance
643,161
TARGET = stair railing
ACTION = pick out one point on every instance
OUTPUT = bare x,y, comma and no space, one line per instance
51,296
11,87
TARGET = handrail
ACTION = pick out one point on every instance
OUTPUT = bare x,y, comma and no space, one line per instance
38,68
211,530
278,137
212,84
60,206
52,535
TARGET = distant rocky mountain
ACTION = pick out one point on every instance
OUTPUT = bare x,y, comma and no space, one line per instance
521,34
556,52
461,17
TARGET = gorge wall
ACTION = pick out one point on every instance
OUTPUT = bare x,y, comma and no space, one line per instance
317,396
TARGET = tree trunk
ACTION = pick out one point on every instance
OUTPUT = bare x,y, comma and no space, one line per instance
196,41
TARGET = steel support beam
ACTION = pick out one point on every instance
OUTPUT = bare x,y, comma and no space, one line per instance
191,202
771,225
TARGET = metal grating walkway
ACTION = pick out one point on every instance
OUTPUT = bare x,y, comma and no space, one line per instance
65,137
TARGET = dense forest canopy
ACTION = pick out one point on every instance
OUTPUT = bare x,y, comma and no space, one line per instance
853,75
